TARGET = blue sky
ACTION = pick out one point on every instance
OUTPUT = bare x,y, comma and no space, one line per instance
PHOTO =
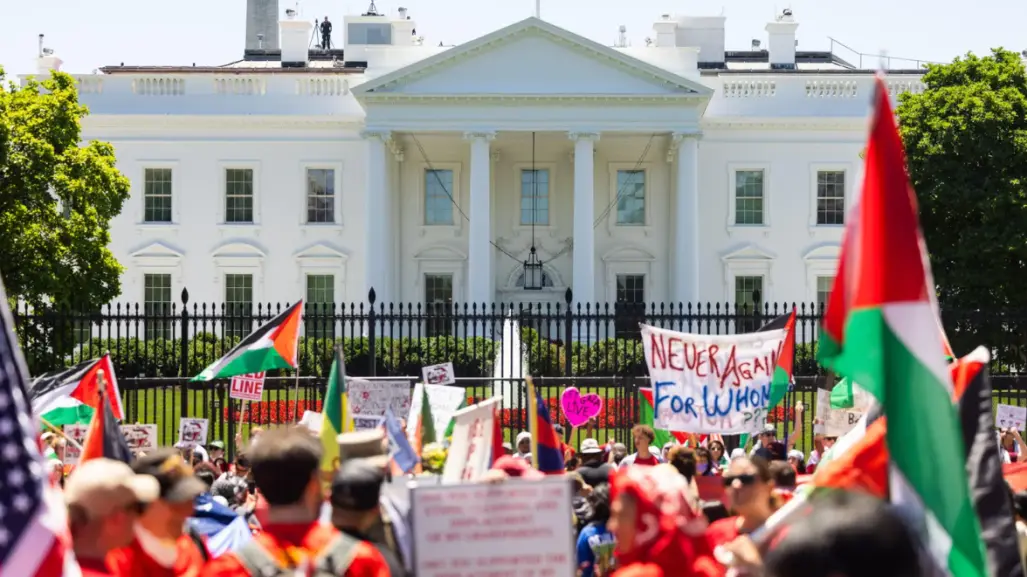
88,34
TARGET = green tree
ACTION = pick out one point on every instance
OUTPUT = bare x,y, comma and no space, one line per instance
966,143
57,197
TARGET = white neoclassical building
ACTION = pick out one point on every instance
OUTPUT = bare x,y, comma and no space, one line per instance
677,171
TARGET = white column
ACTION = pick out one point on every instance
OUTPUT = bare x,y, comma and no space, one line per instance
479,236
377,261
583,267
685,263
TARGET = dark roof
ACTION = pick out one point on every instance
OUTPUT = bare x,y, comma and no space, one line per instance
275,55
229,70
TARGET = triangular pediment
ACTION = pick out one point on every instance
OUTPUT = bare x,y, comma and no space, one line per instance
321,251
824,252
749,252
440,252
628,254
238,249
531,58
157,250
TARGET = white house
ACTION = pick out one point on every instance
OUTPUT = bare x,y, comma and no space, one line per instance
677,171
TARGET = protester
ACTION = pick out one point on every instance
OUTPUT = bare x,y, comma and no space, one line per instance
595,542
286,468
355,497
704,465
798,461
1012,444
592,468
749,489
618,453
683,460
523,444
643,436
216,450
718,454
580,505
665,451
105,499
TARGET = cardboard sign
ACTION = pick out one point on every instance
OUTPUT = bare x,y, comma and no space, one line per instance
515,527
140,437
1010,417
368,400
837,422
579,408
470,450
78,434
248,387
192,431
444,402
439,374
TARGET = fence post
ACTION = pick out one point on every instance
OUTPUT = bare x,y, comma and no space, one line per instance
184,348
568,296
371,349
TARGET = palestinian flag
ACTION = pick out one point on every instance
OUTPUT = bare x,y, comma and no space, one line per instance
104,438
273,346
880,329
71,396
647,416
424,428
337,418
842,395
783,372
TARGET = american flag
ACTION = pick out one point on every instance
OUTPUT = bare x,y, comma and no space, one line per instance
33,521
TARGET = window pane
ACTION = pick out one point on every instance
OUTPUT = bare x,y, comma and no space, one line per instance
238,304
535,197
824,284
631,197
630,305
320,314
749,302
157,305
320,195
438,299
438,190
749,197
831,197
157,195
239,195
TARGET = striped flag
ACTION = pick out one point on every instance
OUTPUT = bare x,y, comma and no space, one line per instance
783,378
274,345
104,438
880,329
647,416
34,538
337,418
71,396
546,454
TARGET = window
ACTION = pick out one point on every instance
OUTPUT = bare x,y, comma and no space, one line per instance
535,197
157,195
319,320
157,306
831,197
238,304
366,33
749,197
438,300
320,195
749,303
438,189
824,284
631,197
630,305
239,195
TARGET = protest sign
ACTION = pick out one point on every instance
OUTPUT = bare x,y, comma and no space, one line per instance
837,422
76,433
140,437
470,450
312,421
710,383
578,408
444,402
1010,417
512,528
248,387
442,374
368,400
192,431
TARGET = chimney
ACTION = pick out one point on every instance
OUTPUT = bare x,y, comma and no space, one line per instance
295,39
46,63
261,24
781,41
664,29
705,33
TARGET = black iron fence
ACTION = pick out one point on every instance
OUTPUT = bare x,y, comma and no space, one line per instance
157,348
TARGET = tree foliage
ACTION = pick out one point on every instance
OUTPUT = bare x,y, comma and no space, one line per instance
966,143
57,198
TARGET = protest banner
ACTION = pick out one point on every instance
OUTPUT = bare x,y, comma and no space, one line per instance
444,402
515,527
368,400
192,431
578,408
470,449
442,374
248,387
837,422
76,433
1010,417
710,383
140,437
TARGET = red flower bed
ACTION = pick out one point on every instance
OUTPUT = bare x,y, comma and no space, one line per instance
616,413
272,412
777,414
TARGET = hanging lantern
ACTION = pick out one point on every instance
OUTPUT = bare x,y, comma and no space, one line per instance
532,272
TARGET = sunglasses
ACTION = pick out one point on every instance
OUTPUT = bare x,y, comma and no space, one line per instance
745,480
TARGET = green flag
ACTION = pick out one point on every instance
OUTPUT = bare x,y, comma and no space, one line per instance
337,418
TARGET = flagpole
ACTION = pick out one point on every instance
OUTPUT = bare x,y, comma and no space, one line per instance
60,433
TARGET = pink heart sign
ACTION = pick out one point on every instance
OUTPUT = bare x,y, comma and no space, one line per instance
579,408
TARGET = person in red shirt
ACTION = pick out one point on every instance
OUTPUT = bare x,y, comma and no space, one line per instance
104,498
643,436
161,547
749,489
286,468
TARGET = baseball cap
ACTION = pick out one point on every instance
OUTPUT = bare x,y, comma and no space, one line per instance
173,474
768,429
102,486
369,444
590,447
357,485
217,445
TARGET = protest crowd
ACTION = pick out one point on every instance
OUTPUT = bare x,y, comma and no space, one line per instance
921,483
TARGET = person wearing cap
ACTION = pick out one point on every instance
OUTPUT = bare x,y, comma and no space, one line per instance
216,450
523,444
356,505
592,469
162,547
104,499
286,468
768,434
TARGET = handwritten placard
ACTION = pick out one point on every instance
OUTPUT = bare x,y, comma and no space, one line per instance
710,383
192,431
444,401
442,374
76,433
368,400
469,530
248,387
1010,417
578,408
470,450
140,437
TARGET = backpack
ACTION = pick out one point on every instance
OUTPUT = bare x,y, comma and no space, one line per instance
333,561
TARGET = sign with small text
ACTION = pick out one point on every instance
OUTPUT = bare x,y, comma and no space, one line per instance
248,387
1010,417
76,433
140,437
441,374
470,450
192,431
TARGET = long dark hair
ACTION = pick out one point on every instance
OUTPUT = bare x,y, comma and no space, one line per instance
600,501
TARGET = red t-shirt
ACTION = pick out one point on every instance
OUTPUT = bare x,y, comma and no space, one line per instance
133,561
650,461
94,568
723,531
299,542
